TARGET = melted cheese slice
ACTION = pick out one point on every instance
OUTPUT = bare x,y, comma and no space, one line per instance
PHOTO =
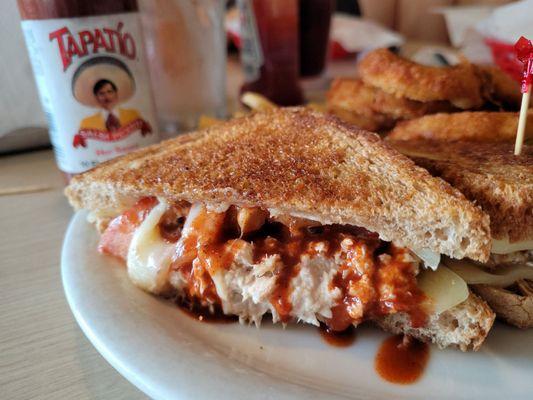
444,287
502,277
149,256
431,258
505,247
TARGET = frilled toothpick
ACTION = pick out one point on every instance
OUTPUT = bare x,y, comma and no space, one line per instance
524,52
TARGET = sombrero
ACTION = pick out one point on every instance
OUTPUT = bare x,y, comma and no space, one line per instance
98,68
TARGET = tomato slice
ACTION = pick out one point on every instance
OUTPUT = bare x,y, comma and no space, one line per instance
117,237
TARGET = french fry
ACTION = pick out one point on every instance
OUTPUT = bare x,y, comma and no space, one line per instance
205,121
256,101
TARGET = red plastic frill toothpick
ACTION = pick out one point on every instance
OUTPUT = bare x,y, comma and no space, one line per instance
524,52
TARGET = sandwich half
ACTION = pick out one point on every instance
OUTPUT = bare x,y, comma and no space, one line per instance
292,213
502,184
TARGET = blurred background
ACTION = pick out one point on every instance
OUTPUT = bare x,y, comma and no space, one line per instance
191,63
201,54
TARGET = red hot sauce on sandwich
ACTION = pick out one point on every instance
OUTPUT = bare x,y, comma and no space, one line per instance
89,65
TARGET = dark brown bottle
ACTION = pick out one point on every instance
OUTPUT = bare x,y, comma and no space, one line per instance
315,20
270,51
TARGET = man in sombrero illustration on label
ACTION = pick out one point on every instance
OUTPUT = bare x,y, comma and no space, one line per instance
106,82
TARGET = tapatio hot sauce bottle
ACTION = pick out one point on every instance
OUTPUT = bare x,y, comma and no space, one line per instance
89,64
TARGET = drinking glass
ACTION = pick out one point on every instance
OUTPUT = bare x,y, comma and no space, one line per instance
186,47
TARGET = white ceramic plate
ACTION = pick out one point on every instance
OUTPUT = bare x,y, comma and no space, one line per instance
169,355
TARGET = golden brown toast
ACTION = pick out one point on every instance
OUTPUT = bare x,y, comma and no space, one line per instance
502,184
298,162
477,126
488,174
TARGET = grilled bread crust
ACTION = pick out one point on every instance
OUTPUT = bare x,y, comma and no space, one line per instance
476,126
514,308
488,174
464,326
298,162
460,84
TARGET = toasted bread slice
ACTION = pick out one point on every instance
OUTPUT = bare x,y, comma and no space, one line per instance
488,174
480,126
298,162
464,326
460,84
515,308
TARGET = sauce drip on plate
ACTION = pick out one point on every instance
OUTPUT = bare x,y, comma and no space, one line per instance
401,360
343,338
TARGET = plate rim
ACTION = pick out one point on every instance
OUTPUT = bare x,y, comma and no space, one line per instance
281,387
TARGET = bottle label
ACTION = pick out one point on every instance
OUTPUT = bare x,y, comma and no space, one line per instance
251,52
94,86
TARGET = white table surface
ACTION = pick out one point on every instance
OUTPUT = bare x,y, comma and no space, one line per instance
43,353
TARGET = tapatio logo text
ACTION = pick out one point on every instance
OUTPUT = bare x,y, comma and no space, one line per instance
110,40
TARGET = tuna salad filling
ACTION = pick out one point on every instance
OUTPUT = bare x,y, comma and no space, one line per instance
249,262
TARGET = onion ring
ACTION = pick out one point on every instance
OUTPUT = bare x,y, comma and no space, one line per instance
478,126
373,109
460,84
